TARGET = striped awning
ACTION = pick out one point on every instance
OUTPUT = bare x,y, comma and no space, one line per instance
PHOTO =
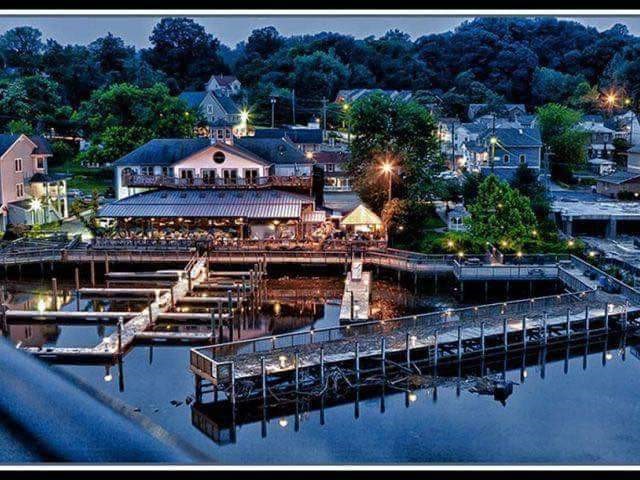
315,216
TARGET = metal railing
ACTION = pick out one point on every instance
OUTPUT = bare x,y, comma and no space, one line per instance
489,312
165,181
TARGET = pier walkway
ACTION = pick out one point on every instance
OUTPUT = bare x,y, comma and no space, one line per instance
357,293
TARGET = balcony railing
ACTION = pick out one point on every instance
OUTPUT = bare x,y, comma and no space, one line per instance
164,181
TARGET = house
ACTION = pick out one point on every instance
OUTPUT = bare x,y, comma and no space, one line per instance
633,158
625,126
600,141
334,164
512,110
503,150
602,166
619,183
28,194
231,161
350,96
216,109
307,139
227,85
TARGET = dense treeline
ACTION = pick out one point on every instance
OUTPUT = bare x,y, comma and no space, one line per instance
490,59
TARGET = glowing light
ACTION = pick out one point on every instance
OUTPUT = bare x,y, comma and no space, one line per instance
386,167
608,356
283,361
108,377
283,422
461,254
534,232
493,140
450,243
571,243
413,397
244,116
309,155
36,204
345,106
519,254
413,339
41,306
592,253
525,374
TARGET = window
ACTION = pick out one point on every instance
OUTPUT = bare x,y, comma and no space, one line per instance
146,170
20,189
210,109
166,171
250,175
18,164
187,173
40,163
523,158
505,158
330,167
221,133
230,175
208,175
218,157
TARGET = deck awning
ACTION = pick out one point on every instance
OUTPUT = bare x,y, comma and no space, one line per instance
248,204
361,215
316,216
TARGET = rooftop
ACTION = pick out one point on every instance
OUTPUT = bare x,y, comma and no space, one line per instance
596,210
619,177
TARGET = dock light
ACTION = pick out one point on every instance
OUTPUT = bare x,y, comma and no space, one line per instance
107,376
283,361
36,204
493,140
534,232
345,106
499,205
636,194
608,356
283,422
401,228
592,254
244,116
386,167
525,374
571,243
519,254
309,155
461,254
450,243
413,339
412,397
627,101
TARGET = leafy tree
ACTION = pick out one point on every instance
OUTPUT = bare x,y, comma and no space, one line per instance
320,74
110,54
30,99
21,48
184,51
122,117
549,85
17,127
501,215
264,42
400,133
526,182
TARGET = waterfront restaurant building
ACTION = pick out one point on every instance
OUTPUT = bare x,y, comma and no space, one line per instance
247,189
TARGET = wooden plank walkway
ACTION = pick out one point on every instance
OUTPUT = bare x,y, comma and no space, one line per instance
357,293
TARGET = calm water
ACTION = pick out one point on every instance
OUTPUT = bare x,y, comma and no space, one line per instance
588,415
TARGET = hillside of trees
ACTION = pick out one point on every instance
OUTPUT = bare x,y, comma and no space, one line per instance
492,59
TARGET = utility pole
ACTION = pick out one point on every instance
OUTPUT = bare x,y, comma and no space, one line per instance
453,146
293,104
324,118
273,112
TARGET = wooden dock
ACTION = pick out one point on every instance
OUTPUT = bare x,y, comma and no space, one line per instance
357,293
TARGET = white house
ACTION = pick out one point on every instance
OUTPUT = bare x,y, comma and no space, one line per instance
226,85
214,107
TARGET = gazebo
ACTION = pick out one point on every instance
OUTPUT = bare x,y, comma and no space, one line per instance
361,219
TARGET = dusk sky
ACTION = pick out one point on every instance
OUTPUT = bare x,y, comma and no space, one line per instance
230,30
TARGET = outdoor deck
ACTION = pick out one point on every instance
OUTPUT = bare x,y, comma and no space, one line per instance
163,181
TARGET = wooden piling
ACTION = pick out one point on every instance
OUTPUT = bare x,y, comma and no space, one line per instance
357,361
263,369
524,331
120,326
586,320
296,362
322,365
93,272
544,328
54,293
408,349
213,325
230,306
505,333
383,355
198,389
482,344
220,324
459,342
606,316
435,348
76,275
106,263
233,385
568,324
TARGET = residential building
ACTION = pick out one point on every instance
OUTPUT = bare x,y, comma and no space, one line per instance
307,139
620,182
503,150
512,110
334,164
350,96
602,166
28,194
216,109
625,126
600,141
227,85
209,161
633,158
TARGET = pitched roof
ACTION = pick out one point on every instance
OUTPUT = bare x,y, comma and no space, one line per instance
517,137
474,108
361,215
163,151
223,80
251,204
192,99
296,135
228,105
279,151
333,156
619,177
42,145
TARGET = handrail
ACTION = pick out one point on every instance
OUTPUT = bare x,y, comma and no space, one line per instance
434,316
165,181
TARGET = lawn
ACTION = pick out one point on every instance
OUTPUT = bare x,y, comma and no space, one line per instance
84,178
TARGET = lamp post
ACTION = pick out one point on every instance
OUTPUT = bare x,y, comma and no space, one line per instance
346,108
36,205
273,112
387,169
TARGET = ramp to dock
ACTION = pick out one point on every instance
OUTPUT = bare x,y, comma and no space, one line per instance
357,293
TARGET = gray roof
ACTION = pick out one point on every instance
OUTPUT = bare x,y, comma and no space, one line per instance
163,151
279,151
619,177
634,149
228,105
42,145
192,99
474,108
250,204
517,137
296,135
593,118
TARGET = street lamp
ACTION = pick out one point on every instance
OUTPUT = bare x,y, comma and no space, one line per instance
273,111
36,205
387,169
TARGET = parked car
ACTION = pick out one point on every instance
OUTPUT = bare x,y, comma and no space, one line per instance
74,192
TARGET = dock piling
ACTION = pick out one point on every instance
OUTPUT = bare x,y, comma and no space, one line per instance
435,348
505,333
408,349
263,369
482,343
54,293
296,362
524,331
568,324
322,365
120,326
606,316
459,342
383,354
586,320
357,361
93,272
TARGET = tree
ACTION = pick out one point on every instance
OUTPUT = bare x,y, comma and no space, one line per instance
400,133
184,51
526,182
17,127
21,48
549,85
30,99
122,117
320,74
264,42
501,215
